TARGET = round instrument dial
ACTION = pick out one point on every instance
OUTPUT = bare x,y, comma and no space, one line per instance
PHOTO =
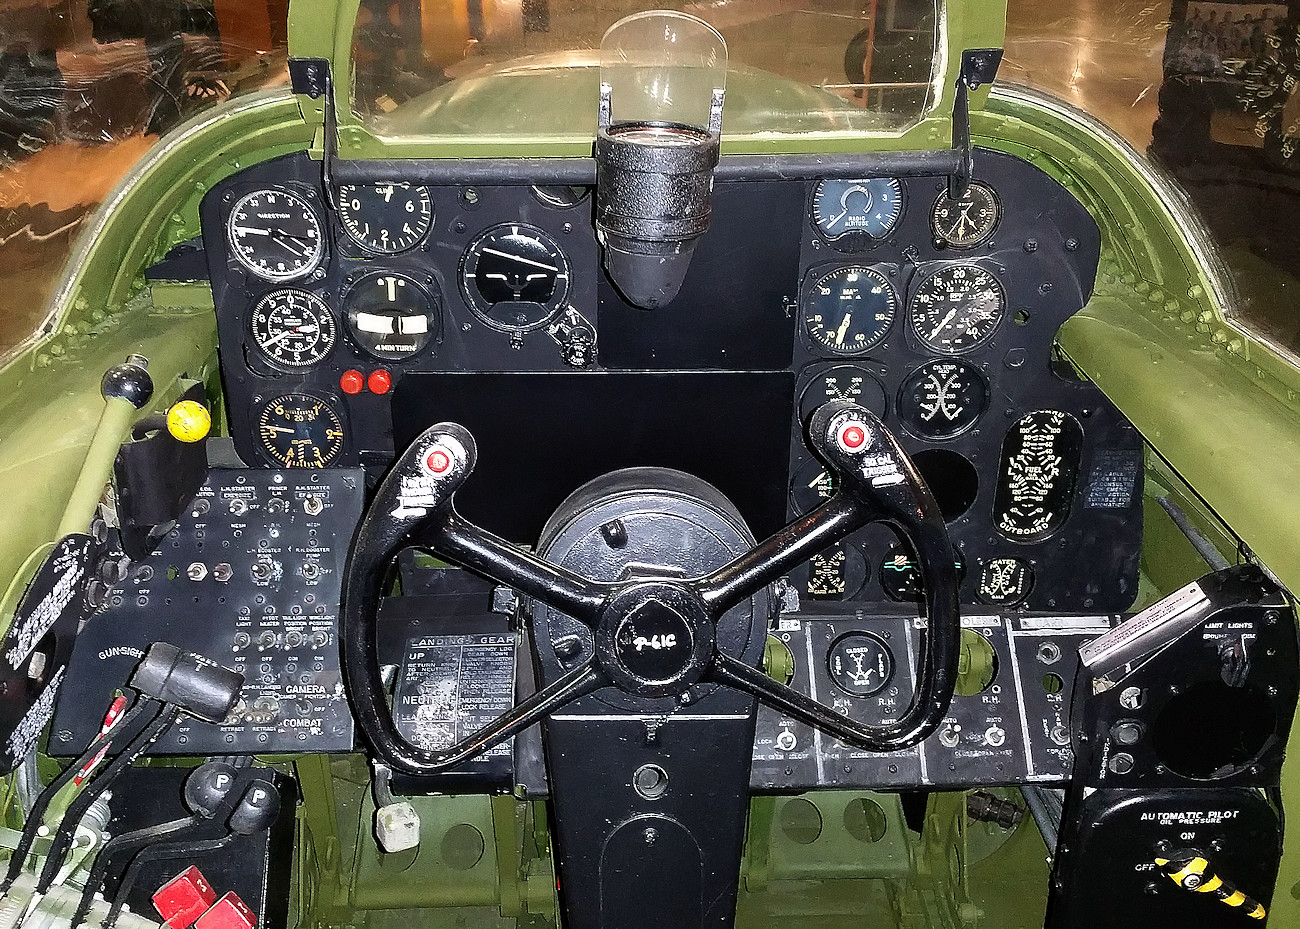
852,214
901,579
391,316
386,218
968,220
942,399
514,277
860,664
276,235
843,382
837,573
300,431
848,311
957,309
292,328
1005,581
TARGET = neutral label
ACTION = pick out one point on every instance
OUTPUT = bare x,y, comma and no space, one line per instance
453,685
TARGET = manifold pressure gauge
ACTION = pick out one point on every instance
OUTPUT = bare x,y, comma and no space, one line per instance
275,234
853,214
386,218
292,328
849,310
969,219
298,430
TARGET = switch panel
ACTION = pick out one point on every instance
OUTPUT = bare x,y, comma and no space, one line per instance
250,577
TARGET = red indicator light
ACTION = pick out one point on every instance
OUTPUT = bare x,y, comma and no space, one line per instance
351,382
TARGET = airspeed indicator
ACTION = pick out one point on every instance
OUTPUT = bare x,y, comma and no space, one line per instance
848,311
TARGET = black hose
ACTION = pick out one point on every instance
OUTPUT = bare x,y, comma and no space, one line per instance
125,841
37,814
161,721
164,852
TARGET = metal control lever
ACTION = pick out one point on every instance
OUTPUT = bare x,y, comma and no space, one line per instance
414,506
1193,872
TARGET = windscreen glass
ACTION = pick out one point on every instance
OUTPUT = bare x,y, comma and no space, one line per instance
528,69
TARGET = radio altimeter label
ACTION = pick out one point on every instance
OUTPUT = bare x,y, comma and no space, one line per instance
452,685
1040,462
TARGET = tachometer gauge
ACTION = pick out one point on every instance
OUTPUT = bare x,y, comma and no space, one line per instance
860,664
957,309
390,315
300,431
276,235
386,218
292,328
514,277
942,399
968,220
851,214
849,310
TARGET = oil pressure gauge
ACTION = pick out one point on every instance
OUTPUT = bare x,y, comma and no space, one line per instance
848,311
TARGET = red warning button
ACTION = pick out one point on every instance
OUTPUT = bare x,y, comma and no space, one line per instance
184,898
228,913
852,436
438,461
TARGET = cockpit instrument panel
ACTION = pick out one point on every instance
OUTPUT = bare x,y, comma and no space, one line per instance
938,314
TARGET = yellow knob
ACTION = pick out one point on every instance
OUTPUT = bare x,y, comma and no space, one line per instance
189,421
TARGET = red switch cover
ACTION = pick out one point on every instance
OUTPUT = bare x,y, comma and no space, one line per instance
184,898
228,913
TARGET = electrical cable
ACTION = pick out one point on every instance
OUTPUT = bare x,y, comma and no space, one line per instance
161,721
101,745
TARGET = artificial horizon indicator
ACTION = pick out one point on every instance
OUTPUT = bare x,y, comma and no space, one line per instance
275,234
514,277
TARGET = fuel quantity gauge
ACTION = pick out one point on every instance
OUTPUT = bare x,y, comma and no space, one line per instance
848,311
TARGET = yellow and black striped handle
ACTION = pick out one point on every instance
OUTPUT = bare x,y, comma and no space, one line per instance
1195,874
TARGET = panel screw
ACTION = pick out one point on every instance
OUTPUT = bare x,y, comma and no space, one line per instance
650,836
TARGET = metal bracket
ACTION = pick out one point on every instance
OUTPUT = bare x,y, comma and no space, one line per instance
979,66
313,77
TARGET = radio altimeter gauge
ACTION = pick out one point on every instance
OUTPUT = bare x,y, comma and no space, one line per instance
514,277
848,311
292,328
942,399
854,214
957,309
276,235
969,219
300,431
390,316
386,218
860,664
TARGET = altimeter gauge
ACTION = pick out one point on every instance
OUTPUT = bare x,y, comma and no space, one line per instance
853,214
298,430
275,234
968,220
292,328
849,310
942,399
385,218
957,308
